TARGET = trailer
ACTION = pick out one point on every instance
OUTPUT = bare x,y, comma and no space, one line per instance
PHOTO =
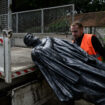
21,83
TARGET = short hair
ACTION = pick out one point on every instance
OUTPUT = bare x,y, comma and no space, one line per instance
77,23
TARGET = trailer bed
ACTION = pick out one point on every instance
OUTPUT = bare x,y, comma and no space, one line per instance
20,58
21,62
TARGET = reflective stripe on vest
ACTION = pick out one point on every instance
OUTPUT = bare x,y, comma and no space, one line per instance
86,45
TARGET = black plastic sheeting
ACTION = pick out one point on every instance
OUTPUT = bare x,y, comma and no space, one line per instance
70,71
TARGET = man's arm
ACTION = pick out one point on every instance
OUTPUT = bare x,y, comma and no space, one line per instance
98,47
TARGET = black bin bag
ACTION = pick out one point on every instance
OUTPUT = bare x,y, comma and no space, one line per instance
70,71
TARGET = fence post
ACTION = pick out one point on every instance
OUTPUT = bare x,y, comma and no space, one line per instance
73,13
9,14
42,21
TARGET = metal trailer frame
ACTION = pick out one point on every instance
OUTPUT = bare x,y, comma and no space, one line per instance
6,72
5,59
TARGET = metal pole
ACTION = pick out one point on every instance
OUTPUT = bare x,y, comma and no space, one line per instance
9,14
7,59
7,46
42,21
73,13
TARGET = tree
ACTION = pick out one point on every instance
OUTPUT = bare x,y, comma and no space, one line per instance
80,5
21,5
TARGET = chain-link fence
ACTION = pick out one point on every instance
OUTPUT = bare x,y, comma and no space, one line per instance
3,22
58,19
3,6
3,14
27,21
47,20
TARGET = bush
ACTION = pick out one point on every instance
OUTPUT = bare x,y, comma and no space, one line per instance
58,26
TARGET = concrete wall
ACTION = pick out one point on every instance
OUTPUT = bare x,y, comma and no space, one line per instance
17,38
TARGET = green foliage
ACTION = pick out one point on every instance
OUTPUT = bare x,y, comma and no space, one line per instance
104,39
104,48
33,29
22,5
80,5
103,60
58,26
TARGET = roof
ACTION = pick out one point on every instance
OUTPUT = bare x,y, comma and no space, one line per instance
96,19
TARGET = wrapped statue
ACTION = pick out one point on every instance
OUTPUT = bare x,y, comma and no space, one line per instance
69,70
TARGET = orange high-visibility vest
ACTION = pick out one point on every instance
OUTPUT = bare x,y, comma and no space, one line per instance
86,45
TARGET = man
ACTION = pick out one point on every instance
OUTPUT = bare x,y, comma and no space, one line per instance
88,42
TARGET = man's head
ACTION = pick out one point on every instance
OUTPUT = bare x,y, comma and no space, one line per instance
76,29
